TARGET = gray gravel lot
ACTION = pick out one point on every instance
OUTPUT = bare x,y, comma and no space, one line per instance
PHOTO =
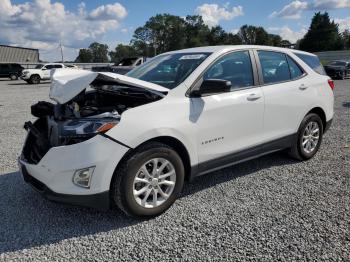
265,209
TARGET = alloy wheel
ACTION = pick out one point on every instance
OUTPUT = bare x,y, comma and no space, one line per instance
311,137
154,183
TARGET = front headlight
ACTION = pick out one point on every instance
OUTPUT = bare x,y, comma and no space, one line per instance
87,127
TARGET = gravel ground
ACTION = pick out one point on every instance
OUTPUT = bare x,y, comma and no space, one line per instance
266,209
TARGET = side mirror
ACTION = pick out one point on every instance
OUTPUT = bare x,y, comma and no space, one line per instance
212,86
44,68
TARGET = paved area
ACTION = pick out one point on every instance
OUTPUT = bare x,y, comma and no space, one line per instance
265,209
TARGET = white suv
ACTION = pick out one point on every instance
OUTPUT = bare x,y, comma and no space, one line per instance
133,140
40,72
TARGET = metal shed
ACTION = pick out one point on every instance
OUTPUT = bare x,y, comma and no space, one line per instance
14,54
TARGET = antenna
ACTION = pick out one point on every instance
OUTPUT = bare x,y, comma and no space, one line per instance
61,51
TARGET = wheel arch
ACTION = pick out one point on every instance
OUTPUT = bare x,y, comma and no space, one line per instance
173,142
321,113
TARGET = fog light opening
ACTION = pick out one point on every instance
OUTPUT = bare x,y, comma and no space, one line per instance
82,177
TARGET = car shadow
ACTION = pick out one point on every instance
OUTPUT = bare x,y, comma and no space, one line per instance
28,220
346,104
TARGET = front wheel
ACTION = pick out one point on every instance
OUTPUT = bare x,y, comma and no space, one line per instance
34,79
309,138
148,182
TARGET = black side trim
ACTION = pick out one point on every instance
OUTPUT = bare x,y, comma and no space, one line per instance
247,154
99,201
114,140
328,125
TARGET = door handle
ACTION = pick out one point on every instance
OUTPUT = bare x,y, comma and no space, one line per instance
253,97
303,87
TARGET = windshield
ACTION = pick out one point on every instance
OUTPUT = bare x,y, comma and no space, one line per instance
127,62
337,63
38,66
169,70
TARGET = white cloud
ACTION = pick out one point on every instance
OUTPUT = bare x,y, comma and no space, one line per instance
43,24
105,12
291,11
288,34
294,9
213,13
343,23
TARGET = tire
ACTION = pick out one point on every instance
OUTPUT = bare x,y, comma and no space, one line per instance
34,79
343,75
13,77
300,150
122,185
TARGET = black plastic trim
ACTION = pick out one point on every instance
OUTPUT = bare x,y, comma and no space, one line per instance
114,140
328,125
241,156
100,201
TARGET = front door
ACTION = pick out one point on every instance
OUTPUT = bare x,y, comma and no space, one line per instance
233,121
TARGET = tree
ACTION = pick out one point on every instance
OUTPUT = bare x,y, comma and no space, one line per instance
85,56
275,40
123,51
346,38
323,35
96,53
99,52
162,33
252,35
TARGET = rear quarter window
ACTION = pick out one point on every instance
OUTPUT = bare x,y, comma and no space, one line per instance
313,62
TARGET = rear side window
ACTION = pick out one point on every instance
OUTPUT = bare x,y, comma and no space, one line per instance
274,67
295,70
313,62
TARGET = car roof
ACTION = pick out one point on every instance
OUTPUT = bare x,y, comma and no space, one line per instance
214,49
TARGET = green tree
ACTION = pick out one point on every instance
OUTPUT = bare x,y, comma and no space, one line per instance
99,52
323,35
85,56
161,33
252,35
122,51
346,38
196,32
275,40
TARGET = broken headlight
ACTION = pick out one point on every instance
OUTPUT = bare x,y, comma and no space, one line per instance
87,127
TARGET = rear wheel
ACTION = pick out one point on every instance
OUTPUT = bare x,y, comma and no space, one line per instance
13,77
148,182
309,138
34,79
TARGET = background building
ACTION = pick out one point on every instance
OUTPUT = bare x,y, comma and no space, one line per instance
13,54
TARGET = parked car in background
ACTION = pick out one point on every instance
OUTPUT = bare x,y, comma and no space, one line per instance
339,69
132,140
40,72
10,70
123,66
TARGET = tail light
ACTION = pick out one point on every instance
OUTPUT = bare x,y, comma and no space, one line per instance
331,83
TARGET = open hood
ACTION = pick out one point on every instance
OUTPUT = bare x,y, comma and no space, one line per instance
67,83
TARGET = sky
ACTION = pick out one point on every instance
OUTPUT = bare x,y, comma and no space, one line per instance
43,24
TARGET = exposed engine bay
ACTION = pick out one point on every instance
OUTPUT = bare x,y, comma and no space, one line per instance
89,113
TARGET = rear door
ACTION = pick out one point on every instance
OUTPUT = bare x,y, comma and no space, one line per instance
232,121
286,91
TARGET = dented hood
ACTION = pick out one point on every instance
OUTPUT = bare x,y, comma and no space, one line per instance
67,83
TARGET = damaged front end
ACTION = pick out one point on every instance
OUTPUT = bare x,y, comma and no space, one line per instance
87,104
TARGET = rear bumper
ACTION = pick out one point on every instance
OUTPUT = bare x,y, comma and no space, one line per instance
99,201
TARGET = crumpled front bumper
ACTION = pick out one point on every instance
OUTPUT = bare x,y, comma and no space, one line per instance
52,176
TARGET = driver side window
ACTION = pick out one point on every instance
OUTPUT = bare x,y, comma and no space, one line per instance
235,67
